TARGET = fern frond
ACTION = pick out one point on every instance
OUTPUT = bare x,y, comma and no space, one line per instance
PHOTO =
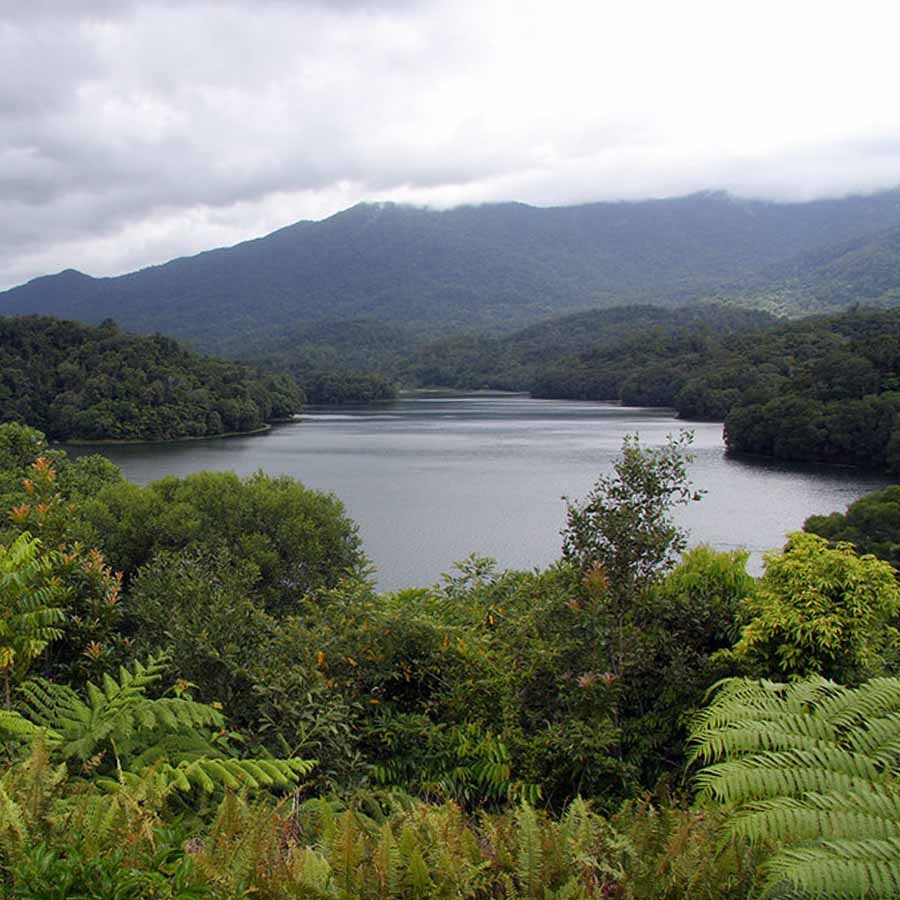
833,803
13,827
210,775
15,725
386,861
530,861
786,773
312,875
839,816
838,869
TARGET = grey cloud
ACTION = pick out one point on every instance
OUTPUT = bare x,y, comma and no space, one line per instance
123,121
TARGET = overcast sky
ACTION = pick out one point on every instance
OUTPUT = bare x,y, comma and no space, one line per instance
132,132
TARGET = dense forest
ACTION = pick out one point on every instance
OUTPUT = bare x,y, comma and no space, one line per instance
355,361
97,383
871,524
863,270
610,345
818,389
822,389
204,697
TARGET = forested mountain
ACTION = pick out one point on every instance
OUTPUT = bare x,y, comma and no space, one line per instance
865,270
494,267
98,383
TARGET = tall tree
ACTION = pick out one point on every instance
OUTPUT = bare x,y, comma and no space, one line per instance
622,536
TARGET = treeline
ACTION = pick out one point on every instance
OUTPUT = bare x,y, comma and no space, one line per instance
590,355
871,524
498,735
819,389
97,383
346,362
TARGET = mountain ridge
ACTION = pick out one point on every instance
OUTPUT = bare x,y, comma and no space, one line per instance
492,267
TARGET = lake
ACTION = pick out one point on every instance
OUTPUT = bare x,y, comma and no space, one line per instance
434,477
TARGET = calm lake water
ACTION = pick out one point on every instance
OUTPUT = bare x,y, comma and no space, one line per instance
434,477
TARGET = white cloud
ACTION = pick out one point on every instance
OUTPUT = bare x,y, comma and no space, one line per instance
131,132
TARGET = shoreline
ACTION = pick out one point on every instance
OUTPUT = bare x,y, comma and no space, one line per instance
121,442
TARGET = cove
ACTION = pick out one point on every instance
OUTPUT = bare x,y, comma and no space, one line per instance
433,477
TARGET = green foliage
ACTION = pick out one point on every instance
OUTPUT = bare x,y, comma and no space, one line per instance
679,641
341,387
624,524
41,488
30,611
601,354
198,604
820,609
74,381
665,850
813,767
46,873
621,536
116,730
871,524
298,540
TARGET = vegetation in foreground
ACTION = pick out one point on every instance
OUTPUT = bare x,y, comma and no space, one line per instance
203,697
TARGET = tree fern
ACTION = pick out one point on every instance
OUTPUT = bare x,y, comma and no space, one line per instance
814,766
115,714
165,739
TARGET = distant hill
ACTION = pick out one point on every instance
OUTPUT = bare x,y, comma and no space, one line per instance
491,268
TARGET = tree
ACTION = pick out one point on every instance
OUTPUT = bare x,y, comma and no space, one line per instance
871,524
299,540
681,630
820,609
622,536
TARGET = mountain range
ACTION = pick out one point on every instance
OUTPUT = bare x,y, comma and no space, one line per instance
496,268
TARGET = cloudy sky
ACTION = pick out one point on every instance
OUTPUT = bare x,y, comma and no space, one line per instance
133,131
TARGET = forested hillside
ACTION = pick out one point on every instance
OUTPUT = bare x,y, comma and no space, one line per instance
820,389
357,361
624,338
98,383
493,267
864,271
